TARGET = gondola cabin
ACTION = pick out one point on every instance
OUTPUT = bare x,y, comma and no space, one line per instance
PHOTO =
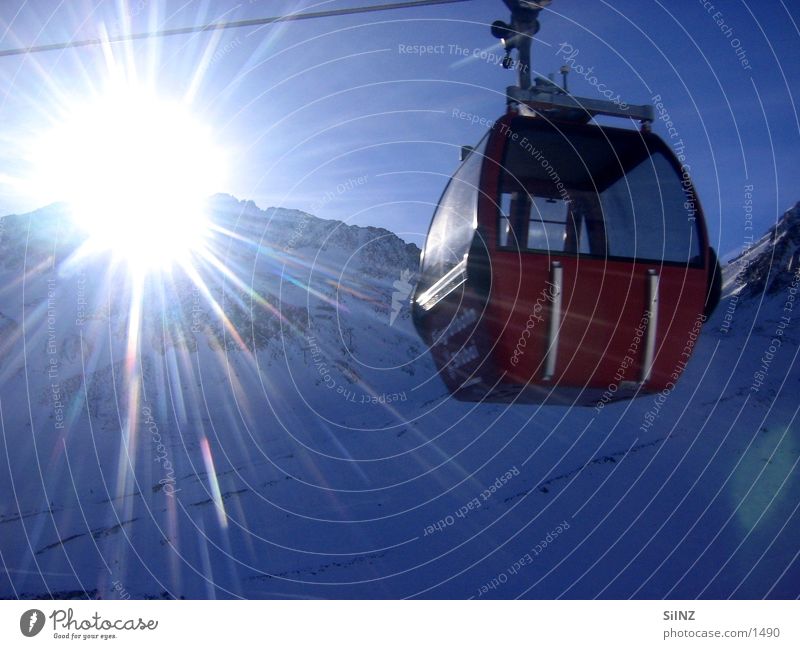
566,262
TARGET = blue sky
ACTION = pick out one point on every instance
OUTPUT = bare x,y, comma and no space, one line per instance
335,116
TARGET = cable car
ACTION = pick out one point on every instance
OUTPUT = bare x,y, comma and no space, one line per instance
567,262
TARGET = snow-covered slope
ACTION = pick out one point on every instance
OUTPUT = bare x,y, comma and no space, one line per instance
281,432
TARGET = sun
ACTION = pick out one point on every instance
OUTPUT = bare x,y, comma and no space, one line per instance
136,170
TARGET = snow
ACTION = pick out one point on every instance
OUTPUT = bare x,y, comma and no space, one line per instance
310,450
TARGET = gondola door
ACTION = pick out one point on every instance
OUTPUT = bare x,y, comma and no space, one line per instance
598,270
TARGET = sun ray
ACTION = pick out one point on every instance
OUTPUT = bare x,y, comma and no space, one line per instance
216,493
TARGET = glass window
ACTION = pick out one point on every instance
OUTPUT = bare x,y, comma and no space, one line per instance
454,222
647,216
547,226
595,192
553,224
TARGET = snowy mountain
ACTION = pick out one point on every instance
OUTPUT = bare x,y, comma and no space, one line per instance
774,267
278,430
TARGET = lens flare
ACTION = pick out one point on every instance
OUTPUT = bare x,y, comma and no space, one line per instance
136,170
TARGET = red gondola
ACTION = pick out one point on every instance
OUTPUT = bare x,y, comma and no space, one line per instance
567,262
